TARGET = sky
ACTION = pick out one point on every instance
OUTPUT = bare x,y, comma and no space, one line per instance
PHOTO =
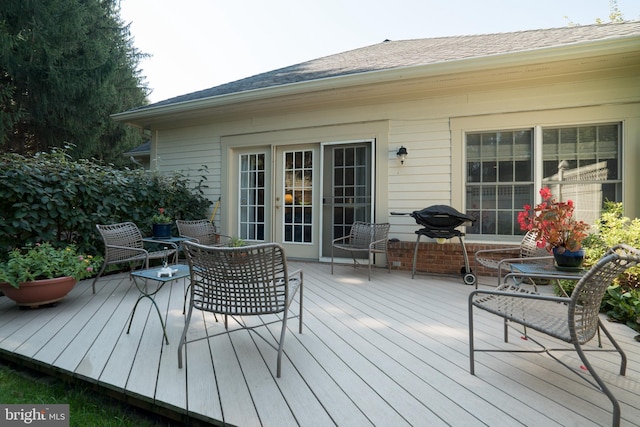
198,44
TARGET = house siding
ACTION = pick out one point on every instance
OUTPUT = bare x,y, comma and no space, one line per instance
429,117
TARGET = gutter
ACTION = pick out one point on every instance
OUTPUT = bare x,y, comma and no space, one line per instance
538,55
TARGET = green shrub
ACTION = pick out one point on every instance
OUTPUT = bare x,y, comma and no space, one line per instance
622,300
50,197
623,306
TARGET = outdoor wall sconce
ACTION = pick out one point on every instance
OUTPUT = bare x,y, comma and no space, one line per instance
402,154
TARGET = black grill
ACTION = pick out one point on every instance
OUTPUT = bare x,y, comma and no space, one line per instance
441,222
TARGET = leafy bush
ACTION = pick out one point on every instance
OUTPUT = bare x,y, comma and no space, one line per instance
623,306
622,300
50,198
612,229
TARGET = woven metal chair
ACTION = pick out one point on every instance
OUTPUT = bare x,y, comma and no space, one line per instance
366,239
573,319
242,281
499,259
201,231
124,244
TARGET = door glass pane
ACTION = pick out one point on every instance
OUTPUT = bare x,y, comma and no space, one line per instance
351,185
298,196
251,204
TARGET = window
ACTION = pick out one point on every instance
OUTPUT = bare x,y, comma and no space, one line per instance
252,192
580,163
499,179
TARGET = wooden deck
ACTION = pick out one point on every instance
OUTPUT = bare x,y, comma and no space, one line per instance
390,352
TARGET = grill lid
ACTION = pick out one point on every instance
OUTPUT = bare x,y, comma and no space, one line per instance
441,217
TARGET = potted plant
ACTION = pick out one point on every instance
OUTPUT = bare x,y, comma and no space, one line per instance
41,274
236,242
161,224
556,229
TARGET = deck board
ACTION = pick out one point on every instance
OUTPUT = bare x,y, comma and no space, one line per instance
390,351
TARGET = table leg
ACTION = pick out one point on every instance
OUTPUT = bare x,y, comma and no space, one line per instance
153,301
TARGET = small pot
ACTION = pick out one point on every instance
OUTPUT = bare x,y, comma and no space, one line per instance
571,259
161,231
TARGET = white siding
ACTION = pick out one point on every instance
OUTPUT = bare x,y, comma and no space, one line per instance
429,121
425,177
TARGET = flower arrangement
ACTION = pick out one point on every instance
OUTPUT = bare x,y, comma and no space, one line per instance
554,224
161,217
43,261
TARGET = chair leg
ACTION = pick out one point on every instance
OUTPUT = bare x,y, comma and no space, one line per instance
300,297
183,337
603,387
623,356
386,254
471,346
281,344
331,259
93,285
415,257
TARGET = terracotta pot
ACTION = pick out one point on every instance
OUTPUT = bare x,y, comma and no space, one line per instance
39,292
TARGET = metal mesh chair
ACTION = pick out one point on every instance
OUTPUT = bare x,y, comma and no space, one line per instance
124,244
364,238
241,281
573,319
501,259
201,231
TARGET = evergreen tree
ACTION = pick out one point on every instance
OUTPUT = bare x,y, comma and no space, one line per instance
65,66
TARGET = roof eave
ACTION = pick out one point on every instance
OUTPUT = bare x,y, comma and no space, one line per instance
567,52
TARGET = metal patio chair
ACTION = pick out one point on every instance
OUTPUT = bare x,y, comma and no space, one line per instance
242,281
201,231
573,319
124,244
364,238
501,258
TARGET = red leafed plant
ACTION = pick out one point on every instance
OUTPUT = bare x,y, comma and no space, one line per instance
553,223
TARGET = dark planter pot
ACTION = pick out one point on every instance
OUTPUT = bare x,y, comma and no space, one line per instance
162,231
568,259
39,292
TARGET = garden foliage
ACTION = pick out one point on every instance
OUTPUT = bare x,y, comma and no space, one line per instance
49,197
622,300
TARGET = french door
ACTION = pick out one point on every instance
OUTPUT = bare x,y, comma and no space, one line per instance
313,195
296,200
347,190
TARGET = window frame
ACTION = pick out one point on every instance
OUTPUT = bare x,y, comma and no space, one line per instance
538,159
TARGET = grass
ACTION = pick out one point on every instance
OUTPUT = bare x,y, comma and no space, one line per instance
86,407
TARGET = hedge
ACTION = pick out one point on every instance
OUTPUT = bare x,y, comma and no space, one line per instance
49,197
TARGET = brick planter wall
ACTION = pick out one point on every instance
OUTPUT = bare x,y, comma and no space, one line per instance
432,257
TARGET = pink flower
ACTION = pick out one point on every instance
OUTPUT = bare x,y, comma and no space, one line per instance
545,193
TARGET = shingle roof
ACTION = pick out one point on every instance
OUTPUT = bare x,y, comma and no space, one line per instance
396,54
